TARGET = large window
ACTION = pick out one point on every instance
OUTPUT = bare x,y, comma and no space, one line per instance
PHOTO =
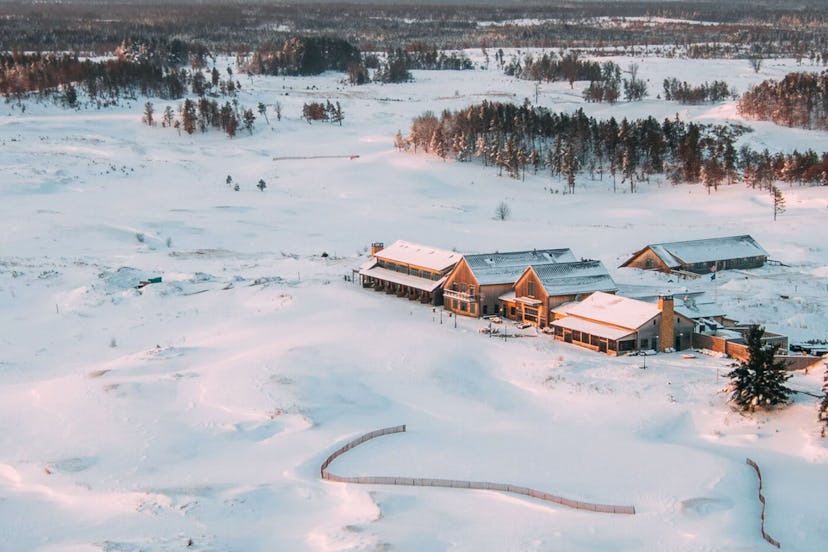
530,288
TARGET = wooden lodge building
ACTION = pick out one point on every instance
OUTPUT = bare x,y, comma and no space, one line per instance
416,272
478,281
616,325
700,256
542,287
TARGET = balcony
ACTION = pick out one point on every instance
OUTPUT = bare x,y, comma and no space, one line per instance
460,296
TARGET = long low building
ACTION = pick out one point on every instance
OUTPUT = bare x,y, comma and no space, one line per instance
700,256
616,325
409,270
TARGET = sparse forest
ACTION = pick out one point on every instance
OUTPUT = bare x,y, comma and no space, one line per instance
799,100
516,138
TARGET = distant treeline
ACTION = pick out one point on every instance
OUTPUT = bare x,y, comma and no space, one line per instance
548,67
517,138
134,71
685,93
699,29
799,100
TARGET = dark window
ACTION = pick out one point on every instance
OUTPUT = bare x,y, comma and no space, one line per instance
530,289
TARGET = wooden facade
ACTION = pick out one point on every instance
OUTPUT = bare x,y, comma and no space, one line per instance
541,288
475,286
462,293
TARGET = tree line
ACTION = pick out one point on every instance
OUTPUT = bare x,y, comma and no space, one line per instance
105,82
798,100
516,138
98,26
685,93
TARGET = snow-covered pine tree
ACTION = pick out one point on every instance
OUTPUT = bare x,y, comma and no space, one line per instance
823,405
759,382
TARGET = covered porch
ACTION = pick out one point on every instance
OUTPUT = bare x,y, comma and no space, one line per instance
413,288
594,336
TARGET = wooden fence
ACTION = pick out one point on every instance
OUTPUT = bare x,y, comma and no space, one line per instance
454,483
765,536
740,352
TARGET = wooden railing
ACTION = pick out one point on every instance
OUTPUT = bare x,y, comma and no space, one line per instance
765,536
454,483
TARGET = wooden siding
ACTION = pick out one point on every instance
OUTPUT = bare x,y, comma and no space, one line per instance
436,274
462,279
647,260
535,315
522,286
725,264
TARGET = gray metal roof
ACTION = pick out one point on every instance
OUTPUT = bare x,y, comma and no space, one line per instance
574,278
708,250
506,268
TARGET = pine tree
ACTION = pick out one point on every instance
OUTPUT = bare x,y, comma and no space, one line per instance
263,111
778,201
759,382
261,185
148,111
188,116
248,119
823,406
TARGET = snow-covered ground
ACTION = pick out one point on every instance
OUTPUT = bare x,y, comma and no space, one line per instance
199,409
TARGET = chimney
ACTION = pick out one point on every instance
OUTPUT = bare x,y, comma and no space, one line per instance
376,247
667,327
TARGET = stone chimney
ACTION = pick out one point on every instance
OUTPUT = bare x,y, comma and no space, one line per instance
376,247
667,328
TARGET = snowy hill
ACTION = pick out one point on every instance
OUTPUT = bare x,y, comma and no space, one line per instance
200,408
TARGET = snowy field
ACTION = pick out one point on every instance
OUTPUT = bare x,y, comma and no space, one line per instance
197,411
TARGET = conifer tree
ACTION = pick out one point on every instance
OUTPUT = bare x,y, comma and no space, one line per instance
778,201
759,382
823,406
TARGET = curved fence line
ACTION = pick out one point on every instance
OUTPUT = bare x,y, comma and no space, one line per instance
454,483
765,536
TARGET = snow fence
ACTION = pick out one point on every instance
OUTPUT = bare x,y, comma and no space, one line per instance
454,483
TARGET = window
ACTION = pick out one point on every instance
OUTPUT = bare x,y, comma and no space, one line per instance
464,306
471,291
530,288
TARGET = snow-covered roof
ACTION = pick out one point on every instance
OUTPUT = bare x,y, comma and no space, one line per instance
506,268
574,278
592,328
693,305
420,255
615,310
707,250
404,279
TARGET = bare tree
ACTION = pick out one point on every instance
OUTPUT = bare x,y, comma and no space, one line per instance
502,211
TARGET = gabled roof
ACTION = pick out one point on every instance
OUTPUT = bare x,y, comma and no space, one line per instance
693,305
574,278
615,310
506,268
420,255
593,328
675,254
